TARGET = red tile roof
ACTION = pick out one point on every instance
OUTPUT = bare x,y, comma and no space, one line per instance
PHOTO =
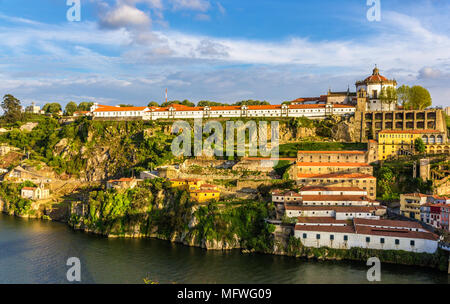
338,209
325,164
332,152
323,188
334,198
387,223
29,188
408,131
320,220
337,175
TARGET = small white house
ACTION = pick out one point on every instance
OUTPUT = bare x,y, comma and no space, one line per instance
35,193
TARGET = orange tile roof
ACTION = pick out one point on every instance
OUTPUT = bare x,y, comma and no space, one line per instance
388,223
408,131
323,188
331,152
325,164
320,220
342,229
336,175
29,188
334,198
338,209
118,109
205,191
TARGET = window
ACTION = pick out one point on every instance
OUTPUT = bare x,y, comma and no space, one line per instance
304,235
397,242
345,237
367,239
331,237
413,243
382,240
318,236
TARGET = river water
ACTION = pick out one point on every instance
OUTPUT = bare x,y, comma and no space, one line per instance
34,251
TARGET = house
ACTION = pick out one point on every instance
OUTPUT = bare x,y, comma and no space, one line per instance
410,204
362,181
337,212
177,111
401,142
203,195
123,183
35,193
366,233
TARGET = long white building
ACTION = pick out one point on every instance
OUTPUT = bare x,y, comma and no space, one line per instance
176,111
366,233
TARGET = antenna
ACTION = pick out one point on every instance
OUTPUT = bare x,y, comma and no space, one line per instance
166,95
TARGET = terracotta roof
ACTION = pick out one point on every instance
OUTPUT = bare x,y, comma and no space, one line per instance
401,233
323,188
331,152
320,220
118,109
415,195
29,188
338,209
122,180
325,164
334,198
336,175
409,131
388,223
205,191
342,229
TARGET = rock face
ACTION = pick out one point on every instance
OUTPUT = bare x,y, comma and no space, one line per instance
345,130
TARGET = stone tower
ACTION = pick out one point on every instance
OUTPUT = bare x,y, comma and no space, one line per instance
361,100
425,169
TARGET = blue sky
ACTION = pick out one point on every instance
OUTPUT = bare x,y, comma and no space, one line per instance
129,51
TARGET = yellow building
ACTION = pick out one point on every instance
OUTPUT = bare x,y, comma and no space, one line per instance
178,183
410,204
204,195
188,184
401,142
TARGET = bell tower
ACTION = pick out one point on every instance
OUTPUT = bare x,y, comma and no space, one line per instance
361,100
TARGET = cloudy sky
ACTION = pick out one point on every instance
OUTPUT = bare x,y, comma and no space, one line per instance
129,51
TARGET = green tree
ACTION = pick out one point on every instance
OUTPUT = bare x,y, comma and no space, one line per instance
126,105
420,98
419,145
153,104
85,106
11,108
389,96
386,179
71,107
403,94
52,108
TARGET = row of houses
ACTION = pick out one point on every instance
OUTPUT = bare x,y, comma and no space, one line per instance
348,169
177,111
431,209
198,189
345,217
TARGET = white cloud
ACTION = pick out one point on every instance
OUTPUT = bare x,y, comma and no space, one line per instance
429,72
125,16
196,5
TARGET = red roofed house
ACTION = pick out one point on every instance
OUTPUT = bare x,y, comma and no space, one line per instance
364,233
35,193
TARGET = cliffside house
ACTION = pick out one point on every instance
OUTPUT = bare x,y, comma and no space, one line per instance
366,233
410,204
122,183
35,193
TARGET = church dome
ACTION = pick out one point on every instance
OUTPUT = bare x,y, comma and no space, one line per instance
376,78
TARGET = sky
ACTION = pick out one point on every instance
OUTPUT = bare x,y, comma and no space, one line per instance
130,51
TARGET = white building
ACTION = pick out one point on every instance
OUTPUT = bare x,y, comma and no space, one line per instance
372,87
176,111
337,212
363,233
318,190
35,193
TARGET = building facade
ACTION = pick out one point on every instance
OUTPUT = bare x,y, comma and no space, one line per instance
410,204
366,233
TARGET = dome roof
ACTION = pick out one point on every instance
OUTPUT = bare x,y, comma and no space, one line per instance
376,78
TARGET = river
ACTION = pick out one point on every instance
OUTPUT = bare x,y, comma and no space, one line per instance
35,251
